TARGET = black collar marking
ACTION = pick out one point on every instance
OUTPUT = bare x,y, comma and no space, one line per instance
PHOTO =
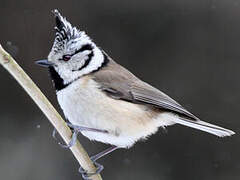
57,80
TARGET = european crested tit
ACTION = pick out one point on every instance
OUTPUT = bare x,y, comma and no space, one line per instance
105,101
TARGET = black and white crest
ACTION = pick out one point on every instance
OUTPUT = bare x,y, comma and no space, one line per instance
64,32
73,53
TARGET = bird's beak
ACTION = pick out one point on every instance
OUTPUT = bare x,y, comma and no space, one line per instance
44,63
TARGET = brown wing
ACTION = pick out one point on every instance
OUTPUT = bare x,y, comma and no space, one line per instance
117,82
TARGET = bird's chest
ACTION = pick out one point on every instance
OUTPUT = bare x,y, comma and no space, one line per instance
82,102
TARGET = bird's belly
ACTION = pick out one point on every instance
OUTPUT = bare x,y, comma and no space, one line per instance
85,105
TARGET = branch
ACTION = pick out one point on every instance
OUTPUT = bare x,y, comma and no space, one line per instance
47,108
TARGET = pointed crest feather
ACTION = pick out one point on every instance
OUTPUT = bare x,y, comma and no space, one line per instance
64,31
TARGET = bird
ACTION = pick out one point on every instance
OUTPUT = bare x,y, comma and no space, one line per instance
105,101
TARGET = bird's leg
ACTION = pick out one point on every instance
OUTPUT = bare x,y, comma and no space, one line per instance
76,130
103,153
99,167
81,128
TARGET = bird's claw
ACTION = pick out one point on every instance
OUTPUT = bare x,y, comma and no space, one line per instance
71,143
87,175
76,129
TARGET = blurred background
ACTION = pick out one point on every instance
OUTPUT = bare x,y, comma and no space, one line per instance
189,49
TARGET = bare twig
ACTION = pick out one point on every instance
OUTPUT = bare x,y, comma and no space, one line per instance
34,92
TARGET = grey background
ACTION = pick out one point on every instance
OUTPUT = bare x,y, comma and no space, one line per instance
188,49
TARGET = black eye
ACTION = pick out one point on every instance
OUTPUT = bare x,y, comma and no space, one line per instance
66,57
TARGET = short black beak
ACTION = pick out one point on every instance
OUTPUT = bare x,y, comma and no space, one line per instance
44,63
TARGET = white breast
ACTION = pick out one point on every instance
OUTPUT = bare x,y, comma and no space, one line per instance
84,104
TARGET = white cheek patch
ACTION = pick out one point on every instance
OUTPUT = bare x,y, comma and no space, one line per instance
78,60
69,71
95,63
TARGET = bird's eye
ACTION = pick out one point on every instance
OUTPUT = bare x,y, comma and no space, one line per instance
66,57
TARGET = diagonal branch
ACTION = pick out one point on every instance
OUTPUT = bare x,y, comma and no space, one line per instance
34,92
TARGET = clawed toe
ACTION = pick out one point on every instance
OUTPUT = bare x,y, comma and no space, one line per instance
76,129
71,143
94,158
87,175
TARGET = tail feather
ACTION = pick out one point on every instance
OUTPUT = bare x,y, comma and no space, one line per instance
204,126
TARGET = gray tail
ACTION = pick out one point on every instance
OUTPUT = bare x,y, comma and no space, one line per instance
204,126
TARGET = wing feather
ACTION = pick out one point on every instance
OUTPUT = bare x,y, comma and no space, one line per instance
143,92
119,83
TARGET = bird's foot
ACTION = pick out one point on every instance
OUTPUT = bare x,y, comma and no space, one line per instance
71,143
76,130
99,167
86,175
